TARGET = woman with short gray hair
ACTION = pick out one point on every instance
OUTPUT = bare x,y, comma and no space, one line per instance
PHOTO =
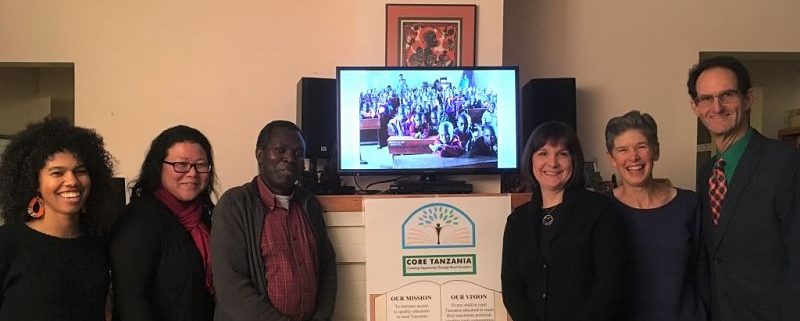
663,222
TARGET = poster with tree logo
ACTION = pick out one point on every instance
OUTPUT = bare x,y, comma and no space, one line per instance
435,259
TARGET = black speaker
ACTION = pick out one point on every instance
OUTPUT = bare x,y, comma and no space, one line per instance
547,99
543,99
316,115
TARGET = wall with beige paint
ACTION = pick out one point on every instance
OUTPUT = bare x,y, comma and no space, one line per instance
635,54
226,68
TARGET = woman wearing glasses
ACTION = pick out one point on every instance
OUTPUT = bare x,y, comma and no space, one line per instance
159,249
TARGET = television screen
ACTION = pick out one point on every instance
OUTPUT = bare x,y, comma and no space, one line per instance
400,120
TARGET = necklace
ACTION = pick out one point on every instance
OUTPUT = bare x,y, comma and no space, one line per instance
548,218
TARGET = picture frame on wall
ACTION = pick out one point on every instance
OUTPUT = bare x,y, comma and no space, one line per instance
430,35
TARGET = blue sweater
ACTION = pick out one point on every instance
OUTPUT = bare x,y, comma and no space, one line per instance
664,243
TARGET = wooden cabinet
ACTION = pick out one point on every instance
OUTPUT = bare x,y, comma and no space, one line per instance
790,135
354,203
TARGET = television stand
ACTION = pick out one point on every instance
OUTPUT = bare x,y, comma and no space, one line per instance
430,187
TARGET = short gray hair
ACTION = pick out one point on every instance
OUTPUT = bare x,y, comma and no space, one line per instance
633,119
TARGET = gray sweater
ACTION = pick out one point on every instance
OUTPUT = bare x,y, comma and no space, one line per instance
238,266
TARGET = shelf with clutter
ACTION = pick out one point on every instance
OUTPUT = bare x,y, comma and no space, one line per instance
790,135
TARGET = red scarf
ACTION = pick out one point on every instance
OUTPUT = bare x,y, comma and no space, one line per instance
190,214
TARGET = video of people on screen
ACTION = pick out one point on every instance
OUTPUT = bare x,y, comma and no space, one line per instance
437,117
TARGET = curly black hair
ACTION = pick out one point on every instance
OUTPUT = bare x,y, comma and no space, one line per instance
27,154
150,173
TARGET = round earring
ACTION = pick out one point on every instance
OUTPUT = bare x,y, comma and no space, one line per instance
35,207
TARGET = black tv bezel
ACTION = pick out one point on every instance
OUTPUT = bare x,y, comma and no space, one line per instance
430,171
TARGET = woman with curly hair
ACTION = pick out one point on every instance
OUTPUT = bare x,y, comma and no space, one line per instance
55,191
159,247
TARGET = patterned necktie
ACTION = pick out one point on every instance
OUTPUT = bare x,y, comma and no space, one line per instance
717,187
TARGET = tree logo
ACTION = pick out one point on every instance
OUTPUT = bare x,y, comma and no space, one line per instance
438,225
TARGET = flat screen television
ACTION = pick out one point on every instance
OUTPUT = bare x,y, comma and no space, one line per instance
423,121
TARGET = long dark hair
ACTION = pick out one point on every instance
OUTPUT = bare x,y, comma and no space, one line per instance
27,154
150,174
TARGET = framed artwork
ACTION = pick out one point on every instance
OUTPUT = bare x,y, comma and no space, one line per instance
430,35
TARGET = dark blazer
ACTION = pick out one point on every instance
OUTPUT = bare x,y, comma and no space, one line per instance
584,278
753,254
157,271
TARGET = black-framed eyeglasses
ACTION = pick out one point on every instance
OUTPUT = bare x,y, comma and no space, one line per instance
184,167
724,97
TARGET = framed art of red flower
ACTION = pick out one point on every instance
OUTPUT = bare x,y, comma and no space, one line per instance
430,35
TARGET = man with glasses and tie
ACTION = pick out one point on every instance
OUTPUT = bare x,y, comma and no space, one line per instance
750,194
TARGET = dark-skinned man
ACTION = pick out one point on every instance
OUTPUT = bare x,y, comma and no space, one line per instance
271,256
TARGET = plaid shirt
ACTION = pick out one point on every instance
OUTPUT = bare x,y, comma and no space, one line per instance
289,251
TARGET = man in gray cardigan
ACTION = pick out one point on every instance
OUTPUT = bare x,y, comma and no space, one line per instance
271,257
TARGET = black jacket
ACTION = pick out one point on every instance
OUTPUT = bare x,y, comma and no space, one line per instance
157,271
584,278
755,251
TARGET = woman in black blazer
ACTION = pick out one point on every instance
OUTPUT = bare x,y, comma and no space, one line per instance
160,247
565,251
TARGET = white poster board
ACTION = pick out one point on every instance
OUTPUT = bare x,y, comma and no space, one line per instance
435,259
